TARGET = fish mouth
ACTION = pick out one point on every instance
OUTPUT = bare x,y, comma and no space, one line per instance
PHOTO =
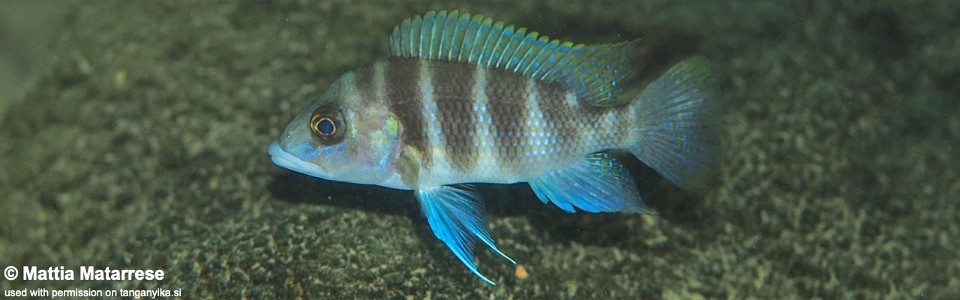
289,161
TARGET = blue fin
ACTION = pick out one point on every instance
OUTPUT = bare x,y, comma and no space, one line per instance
598,183
455,215
593,71
677,132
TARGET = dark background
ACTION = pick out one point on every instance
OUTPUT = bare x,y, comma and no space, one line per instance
135,136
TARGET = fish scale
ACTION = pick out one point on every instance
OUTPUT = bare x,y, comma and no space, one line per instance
498,151
464,100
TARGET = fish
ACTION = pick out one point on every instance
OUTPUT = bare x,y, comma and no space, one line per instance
464,100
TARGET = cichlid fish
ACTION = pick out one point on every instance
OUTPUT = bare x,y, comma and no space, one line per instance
463,99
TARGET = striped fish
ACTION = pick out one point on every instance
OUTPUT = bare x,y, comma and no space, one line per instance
463,99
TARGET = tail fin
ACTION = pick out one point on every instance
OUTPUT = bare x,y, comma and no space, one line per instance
677,129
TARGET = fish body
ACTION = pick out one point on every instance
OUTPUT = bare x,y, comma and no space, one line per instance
465,100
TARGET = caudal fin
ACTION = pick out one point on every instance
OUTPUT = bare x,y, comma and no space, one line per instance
677,130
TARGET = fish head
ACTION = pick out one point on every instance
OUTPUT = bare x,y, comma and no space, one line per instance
342,137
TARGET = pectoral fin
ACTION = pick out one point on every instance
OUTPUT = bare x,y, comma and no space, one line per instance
456,217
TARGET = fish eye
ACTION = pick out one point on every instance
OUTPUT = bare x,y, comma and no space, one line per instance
326,124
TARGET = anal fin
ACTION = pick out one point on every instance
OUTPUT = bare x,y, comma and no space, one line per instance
599,183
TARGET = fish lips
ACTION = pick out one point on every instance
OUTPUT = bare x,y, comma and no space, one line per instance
289,161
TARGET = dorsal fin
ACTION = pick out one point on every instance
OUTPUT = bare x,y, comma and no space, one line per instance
596,72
